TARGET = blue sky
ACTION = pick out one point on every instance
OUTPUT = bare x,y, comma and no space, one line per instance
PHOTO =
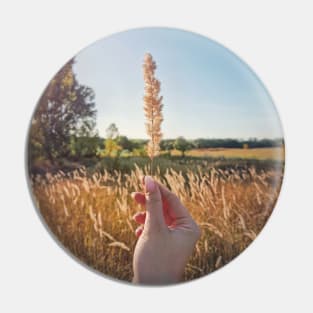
208,92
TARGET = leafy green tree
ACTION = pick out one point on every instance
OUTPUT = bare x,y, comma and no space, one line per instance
182,145
84,146
167,145
112,149
125,143
65,109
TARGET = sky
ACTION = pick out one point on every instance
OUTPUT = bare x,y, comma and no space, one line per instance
208,91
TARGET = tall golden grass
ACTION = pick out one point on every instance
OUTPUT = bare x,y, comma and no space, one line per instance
92,215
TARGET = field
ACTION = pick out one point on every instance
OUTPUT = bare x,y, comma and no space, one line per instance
90,211
235,153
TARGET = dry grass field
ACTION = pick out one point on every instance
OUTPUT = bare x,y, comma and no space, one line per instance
234,153
91,215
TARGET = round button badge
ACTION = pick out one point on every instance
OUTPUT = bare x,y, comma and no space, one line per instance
155,156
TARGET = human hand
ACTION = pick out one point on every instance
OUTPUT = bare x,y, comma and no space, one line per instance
167,236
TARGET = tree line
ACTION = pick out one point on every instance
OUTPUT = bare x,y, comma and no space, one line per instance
183,145
115,145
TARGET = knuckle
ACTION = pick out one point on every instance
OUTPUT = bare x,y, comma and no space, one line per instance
153,230
154,200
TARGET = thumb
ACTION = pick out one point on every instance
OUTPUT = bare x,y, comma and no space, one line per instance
154,218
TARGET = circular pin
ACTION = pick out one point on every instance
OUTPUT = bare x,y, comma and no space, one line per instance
155,156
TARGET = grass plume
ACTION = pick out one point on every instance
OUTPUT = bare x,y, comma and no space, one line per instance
152,107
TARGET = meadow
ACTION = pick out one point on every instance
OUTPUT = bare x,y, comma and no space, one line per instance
268,153
90,209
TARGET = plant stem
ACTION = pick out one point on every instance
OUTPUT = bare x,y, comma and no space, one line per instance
151,167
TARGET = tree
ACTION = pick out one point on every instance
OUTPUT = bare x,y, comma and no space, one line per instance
112,131
124,143
182,145
167,145
111,145
65,109
112,149
84,146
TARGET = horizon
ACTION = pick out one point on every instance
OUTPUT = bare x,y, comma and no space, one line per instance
208,92
205,138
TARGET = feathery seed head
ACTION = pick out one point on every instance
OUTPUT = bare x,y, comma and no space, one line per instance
152,106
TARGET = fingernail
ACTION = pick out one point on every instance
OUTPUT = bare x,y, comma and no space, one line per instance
149,183
133,194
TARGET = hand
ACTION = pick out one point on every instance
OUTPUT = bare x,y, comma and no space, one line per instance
167,236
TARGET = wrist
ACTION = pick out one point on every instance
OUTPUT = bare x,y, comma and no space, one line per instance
158,279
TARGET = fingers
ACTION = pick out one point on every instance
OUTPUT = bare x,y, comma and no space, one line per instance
139,197
175,208
154,217
140,217
177,211
139,231
162,205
